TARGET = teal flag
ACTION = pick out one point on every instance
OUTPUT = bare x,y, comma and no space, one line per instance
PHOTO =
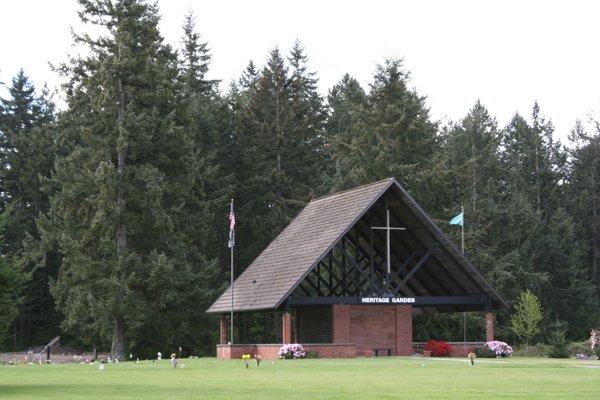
458,220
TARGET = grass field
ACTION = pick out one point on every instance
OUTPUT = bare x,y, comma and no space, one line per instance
370,378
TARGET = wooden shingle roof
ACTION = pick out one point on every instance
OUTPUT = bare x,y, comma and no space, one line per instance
266,283
280,268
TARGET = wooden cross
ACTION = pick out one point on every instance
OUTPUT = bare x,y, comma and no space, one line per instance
388,230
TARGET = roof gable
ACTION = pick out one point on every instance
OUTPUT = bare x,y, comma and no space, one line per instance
301,246
278,269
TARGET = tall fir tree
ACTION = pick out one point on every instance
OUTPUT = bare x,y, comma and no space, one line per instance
534,223
471,154
11,284
279,125
394,136
534,161
132,270
583,190
207,121
27,151
347,102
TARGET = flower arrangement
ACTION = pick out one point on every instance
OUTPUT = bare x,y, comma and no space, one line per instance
246,358
294,350
501,349
472,357
438,348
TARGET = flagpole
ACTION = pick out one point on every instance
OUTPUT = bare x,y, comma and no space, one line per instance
231,317
231,278
462,248
462,230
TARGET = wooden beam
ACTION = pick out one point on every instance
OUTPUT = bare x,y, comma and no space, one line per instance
415,269
476,302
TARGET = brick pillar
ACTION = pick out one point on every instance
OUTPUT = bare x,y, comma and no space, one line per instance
489,326
286,328
404,331
340,324
223,330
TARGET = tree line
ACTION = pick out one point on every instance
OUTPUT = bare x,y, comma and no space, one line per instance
114,223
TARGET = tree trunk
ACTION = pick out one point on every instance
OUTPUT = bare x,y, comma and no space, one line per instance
473,177
594,231
118,342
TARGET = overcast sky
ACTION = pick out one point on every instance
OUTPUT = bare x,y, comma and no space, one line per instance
507,53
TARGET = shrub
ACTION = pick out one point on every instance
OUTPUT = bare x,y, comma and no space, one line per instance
538,350
294,350
579,348
438,348
312,354
558,345
501,349
484,352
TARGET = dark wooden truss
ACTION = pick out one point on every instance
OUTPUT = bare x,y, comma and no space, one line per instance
356,267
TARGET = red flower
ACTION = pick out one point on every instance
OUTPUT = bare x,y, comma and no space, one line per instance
438,348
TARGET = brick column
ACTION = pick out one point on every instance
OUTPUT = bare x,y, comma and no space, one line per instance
489,326
223,330
404,332
340,324
286,328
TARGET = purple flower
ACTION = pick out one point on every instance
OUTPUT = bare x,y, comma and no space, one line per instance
293,350
501,349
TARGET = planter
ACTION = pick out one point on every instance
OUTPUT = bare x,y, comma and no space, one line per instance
426,353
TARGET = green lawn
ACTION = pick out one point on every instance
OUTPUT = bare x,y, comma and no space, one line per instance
370,378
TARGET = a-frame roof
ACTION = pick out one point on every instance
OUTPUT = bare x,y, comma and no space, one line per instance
280,268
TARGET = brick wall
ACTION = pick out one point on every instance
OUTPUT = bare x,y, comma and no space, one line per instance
404,331
489,326
372,326
459,349
341,323
269,351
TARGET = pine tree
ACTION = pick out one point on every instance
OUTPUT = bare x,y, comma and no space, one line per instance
584,188
27,151
568,295
558,345
207,118
540,237
394,136
533,161
11,284
347,101
131,270
525,323
583,191
279,122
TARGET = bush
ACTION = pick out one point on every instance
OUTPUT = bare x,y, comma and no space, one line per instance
438,348
575,348
537,350
294,350
484,352
501,349
312,354
558,345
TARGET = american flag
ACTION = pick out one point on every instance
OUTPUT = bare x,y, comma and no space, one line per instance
231,226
